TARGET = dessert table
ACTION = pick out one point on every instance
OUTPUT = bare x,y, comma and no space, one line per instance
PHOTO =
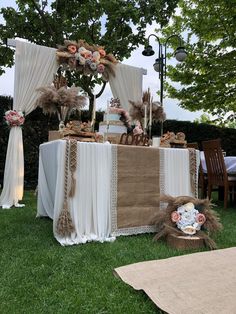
117,187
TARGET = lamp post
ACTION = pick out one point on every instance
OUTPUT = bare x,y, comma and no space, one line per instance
160,62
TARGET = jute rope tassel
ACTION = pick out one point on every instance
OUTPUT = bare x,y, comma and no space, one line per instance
73,162
65,225
193,171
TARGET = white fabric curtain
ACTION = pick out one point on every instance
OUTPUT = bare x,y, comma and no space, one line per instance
34,67
127,84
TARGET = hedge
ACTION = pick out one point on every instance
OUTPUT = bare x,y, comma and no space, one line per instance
37,125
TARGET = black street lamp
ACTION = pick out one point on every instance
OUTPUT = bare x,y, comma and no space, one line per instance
160,62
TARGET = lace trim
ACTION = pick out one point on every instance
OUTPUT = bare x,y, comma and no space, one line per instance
114,188
162,176
193,170
134,230
197,159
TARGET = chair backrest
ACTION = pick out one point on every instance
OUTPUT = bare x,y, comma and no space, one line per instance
216,170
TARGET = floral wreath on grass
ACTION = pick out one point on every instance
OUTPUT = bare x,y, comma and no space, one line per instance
186,215
86,59
14,118
188,219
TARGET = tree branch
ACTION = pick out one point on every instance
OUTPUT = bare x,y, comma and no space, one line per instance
48,27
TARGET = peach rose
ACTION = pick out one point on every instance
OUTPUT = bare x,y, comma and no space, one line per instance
175,216
102,52
200,218
72,49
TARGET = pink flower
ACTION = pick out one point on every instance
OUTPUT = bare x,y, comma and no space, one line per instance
200,218
137,130
14,118
87,54
175,216
72,49
102,52
100,68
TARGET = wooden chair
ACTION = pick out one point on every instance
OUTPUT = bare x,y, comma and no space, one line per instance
216,170
202,177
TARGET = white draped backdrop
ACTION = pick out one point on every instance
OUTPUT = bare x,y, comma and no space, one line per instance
34,67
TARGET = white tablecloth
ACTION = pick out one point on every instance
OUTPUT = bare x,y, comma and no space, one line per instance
230,164
91,207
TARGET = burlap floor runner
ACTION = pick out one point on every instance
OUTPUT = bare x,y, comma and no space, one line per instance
199,283
138,187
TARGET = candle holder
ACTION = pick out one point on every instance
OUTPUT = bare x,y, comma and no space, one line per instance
150,130
105,137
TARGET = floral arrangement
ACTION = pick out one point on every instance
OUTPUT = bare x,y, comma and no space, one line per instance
138,128
115,107
186,215
188,219
14,118
86,59
137,109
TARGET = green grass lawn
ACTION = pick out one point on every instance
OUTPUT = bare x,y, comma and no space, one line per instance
38,275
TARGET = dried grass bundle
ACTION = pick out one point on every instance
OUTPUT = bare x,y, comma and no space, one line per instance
166,226
82,43
158,113
52,99
137,110
146,96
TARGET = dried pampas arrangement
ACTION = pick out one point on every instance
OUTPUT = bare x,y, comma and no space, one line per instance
61,101
137,109
166,219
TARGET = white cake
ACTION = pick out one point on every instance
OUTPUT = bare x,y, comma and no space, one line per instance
112,121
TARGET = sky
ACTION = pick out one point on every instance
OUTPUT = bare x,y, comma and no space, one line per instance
150,80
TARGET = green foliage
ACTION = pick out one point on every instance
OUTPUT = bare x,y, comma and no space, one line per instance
198,132
228,123
40,276
119,25
5,104
208,74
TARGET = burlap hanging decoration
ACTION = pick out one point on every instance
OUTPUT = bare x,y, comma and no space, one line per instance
73,163
65,225
193,171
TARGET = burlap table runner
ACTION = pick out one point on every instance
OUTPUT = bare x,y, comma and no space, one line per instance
138,189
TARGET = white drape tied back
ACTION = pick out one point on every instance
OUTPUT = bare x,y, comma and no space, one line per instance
127,84
34,67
